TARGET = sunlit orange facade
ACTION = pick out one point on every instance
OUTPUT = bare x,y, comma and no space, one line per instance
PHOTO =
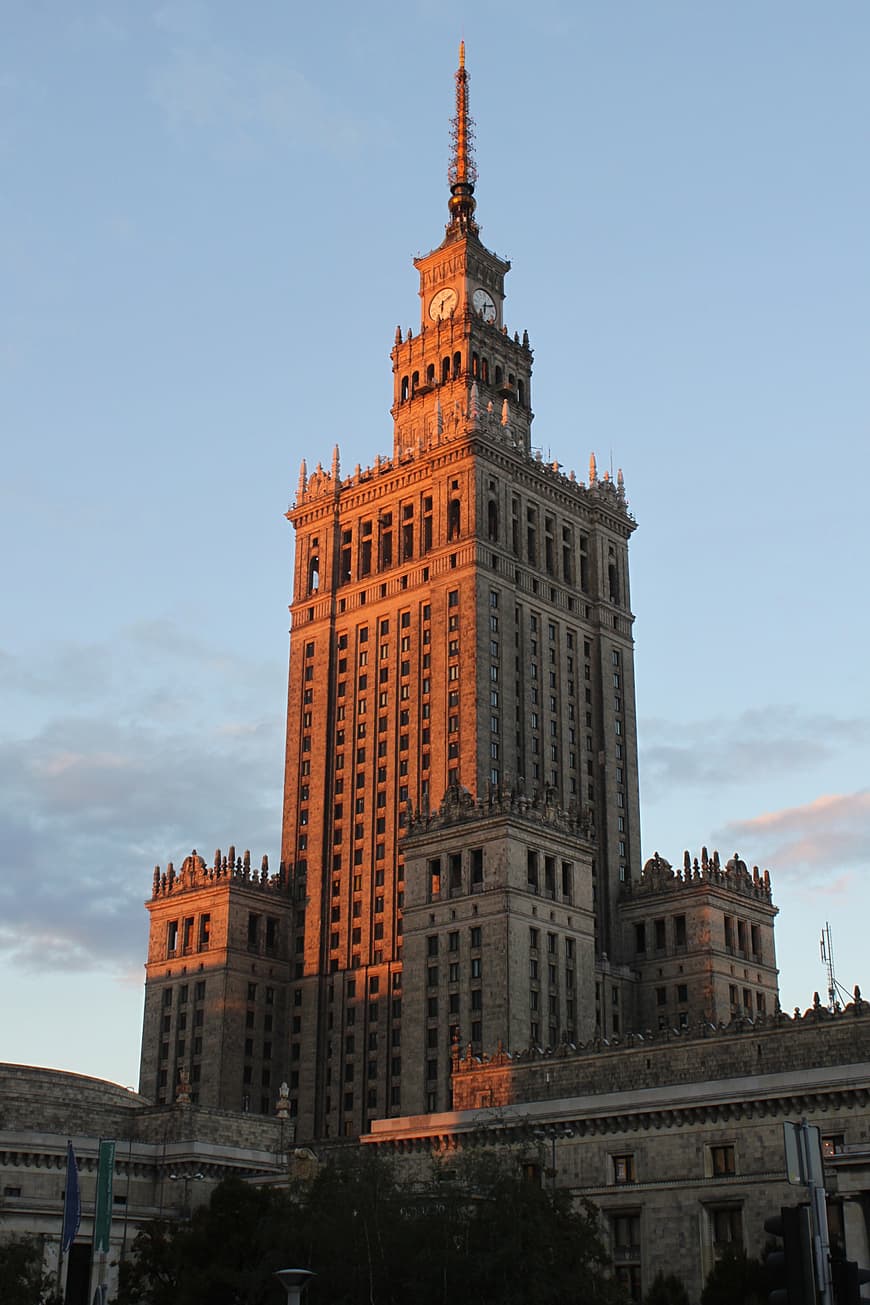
460,862
460,624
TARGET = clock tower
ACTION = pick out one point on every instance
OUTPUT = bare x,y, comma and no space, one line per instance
461,318
460,798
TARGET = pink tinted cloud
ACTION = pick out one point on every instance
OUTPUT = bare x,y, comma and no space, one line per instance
828,834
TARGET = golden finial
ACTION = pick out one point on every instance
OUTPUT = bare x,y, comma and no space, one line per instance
462,173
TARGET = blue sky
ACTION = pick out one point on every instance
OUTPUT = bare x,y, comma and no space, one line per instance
208,216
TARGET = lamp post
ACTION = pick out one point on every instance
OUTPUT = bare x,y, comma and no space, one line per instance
553,1133
187,1179
294,1281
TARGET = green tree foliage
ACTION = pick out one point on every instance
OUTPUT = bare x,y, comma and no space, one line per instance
666,1289
372,1240
22,1278
736,1279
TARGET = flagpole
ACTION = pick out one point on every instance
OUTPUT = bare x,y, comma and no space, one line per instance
72,1212
60,1290
102,1234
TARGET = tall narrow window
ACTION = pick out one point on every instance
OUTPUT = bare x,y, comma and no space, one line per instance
365,549
531,536
407,532
427,523
386,524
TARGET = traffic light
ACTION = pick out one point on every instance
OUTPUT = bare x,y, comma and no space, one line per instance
847,1279
791,1269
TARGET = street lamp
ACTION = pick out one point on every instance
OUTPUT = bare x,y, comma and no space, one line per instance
554,1133
187,1179
294,1281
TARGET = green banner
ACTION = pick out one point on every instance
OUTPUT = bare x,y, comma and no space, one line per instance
103,1214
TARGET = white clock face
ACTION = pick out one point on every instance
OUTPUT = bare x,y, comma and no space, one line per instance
442,304
484,304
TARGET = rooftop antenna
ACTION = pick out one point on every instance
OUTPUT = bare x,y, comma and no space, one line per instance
835,989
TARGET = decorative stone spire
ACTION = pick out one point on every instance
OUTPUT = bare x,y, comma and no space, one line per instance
462,173
336,464
593,469
303,478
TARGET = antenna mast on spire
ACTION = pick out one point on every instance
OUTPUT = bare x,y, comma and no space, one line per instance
462,172
835,989
826,950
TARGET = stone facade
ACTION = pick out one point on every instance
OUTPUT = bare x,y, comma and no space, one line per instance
677,1138
460,622
167,1160
500,933
700,942
461,838
217,987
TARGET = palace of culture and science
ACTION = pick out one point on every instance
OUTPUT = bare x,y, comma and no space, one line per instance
460,859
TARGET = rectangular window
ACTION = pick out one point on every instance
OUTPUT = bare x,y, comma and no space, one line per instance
726,1229
722,1160
623,1169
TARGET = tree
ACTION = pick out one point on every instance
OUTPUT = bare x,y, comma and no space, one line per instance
666,1289
22,1276
373,1240
736,1279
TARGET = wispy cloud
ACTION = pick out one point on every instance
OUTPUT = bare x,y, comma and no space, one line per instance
722,751
90,799
826,838
246,103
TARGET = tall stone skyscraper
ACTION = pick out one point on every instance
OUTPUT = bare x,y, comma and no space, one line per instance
460,862
460,627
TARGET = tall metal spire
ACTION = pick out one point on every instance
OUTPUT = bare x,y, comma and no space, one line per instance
462,173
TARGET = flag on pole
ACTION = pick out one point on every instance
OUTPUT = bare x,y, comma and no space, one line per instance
103,1214
72,1201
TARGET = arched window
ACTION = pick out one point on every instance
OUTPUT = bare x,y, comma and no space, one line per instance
484,370
430,374
404,390
521,393
445,370
492,520
499,375
313,574
457,365
415,381
453,519
475,366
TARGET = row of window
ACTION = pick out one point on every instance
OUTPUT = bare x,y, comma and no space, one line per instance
456,874
191,933
666,933
719,1162
744,935
378,544
183,993
452,368
557,880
